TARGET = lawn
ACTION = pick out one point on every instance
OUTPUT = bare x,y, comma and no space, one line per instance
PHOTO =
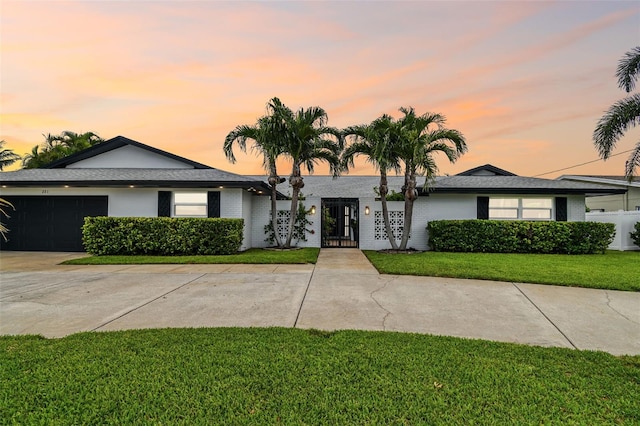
613,270
292,376
255,256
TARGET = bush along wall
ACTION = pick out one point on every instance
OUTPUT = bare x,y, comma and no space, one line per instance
635,235
161,236
493,236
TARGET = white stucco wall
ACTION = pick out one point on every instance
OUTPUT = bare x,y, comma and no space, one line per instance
247,207
576,208
130,156
425,209
255,210
261,215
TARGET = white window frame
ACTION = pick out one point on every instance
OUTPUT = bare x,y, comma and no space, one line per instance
194,203
521,209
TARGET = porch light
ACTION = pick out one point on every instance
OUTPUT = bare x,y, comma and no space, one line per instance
367,211
313,209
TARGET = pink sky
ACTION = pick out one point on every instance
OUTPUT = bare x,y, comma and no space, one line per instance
525,82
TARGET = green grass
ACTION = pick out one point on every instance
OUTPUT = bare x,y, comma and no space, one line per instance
614,270
292,376
256,256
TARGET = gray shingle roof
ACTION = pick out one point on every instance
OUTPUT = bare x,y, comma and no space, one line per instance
321,186
604,179
103,176
362,186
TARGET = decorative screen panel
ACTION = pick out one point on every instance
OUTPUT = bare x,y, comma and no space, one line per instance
396,221
283,223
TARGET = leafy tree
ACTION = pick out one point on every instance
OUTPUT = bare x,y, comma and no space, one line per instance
59,146
378,143
265,135
306,140
419,138
7,156
623,114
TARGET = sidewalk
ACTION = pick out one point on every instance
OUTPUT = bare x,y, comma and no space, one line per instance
342,291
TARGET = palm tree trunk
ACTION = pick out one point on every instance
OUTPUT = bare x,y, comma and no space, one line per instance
384,190
296,184
273,181
410,195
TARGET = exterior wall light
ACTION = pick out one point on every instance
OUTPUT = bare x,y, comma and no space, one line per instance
313,209
367,211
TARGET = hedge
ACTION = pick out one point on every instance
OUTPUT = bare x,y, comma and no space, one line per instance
497,236
161,235
635,236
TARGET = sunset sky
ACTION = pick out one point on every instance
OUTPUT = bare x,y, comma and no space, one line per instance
525,82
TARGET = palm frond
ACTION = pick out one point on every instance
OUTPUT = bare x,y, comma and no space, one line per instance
633,162
621,116
629,69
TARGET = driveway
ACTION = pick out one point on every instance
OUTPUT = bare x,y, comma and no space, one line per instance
342,291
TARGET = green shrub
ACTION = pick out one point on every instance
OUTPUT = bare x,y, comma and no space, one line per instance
635,236
161,236
493,236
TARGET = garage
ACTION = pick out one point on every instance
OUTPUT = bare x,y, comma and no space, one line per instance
50,223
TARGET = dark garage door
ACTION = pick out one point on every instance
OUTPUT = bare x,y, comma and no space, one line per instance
47,223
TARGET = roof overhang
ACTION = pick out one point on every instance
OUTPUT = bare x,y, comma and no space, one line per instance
532,191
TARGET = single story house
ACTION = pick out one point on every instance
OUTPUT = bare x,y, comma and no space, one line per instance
122,177
627,201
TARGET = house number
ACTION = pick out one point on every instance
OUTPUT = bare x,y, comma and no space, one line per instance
45,191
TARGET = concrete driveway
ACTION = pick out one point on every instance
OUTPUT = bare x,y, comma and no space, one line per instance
342,291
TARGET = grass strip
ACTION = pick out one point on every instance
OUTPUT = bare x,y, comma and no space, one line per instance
291,376
613,270
255,256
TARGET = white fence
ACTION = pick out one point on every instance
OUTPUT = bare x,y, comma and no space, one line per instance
624,221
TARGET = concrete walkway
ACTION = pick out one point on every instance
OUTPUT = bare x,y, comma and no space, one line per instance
342,291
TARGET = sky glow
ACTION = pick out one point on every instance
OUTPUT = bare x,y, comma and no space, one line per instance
525,82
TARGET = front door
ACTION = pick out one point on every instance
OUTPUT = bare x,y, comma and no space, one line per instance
340,227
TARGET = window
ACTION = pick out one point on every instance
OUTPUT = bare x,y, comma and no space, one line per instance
190,204
521,208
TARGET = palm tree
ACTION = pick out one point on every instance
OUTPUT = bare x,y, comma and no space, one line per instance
7,156
622,115
306,140
4,204
421,137
377,142
56,147
265,142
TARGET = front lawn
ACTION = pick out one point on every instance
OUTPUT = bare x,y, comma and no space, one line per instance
614,270
256,256
292,376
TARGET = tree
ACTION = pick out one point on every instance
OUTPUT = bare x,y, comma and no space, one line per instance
59,146
623,114
264,134
377,142
419,138
7,156
4,204
305,140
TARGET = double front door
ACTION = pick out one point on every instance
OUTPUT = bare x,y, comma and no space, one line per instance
340,227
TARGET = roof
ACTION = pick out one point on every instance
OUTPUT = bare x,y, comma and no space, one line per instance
604,179
126,177
115,143
362,186
486,170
